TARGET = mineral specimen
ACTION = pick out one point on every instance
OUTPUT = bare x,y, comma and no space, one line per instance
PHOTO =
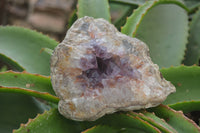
97,70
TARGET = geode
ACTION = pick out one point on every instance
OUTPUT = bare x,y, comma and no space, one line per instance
97,70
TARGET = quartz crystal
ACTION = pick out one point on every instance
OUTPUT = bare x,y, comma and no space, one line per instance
97,70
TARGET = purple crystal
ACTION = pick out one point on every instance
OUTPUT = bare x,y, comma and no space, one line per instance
101,66
88,62
112,69
101,52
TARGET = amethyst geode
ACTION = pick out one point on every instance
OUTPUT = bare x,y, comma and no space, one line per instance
97,70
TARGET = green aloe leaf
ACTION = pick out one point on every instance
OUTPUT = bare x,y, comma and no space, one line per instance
27,81
47,50
72,18
94,8
193,47
29,84
192,4
125,121
119,13
50,122
42,95
155,121
10,63
15,109
100,129
176,119
165,29
135,19
130,2
3,69
163,26
186,81
186,106
159,120
25,47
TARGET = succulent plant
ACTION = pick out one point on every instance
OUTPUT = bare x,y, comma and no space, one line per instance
27,95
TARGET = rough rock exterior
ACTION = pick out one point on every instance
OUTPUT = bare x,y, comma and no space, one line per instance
97,70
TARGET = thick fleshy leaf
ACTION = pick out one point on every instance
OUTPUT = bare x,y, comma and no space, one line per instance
94,8
186,106
130,2
26,83
155,121
10,63
163,26
159,120
131,130
135,19
50,122
47,50
186,81
42,95
15,109
119,13
125,121
72,18
3,69
25,46
101,129
193,47
176,119
165,30
192,4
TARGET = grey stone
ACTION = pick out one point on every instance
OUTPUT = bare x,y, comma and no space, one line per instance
97,70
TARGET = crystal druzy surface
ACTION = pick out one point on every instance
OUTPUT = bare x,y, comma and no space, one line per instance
97,70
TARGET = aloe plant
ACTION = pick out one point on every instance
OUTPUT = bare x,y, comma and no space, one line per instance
29,104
